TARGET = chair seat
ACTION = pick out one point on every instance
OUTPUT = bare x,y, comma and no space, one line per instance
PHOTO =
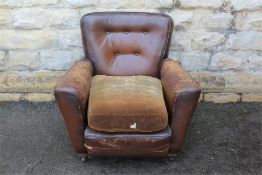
126,104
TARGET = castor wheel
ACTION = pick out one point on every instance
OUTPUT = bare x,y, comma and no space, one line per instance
83,159
83,156
171,158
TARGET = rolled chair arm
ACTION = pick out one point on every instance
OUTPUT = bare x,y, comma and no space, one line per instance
72,96
181,95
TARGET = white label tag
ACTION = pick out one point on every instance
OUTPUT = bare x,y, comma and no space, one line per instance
133,126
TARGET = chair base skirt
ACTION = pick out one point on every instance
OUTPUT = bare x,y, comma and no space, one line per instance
102,144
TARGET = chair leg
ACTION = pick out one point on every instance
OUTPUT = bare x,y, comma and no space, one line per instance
172,157
83,159
83,156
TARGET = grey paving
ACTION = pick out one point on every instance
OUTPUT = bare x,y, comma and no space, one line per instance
222,139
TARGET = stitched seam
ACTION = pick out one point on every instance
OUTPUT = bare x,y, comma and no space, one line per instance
124,115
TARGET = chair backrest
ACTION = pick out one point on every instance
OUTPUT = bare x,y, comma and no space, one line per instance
126,43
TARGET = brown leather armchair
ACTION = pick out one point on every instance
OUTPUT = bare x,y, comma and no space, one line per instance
127,69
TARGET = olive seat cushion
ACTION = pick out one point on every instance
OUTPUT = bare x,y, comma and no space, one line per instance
126,104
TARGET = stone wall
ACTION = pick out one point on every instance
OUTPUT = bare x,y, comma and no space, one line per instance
218,41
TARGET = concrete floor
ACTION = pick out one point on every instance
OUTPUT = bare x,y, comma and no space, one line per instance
222,139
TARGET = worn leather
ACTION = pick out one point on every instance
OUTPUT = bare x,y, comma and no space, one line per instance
181,94
71,95
126,43
155,144
126,104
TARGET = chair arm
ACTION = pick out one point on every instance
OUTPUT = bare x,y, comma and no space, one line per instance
72,95
181,95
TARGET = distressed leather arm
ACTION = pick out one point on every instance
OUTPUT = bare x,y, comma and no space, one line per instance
181,94
72,95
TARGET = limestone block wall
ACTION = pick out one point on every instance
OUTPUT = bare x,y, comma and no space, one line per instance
218,41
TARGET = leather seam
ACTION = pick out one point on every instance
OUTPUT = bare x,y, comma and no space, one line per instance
155,149
129,115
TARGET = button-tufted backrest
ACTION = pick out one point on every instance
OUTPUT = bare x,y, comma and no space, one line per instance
126,43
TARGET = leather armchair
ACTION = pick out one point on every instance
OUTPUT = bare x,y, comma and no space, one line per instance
146,36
